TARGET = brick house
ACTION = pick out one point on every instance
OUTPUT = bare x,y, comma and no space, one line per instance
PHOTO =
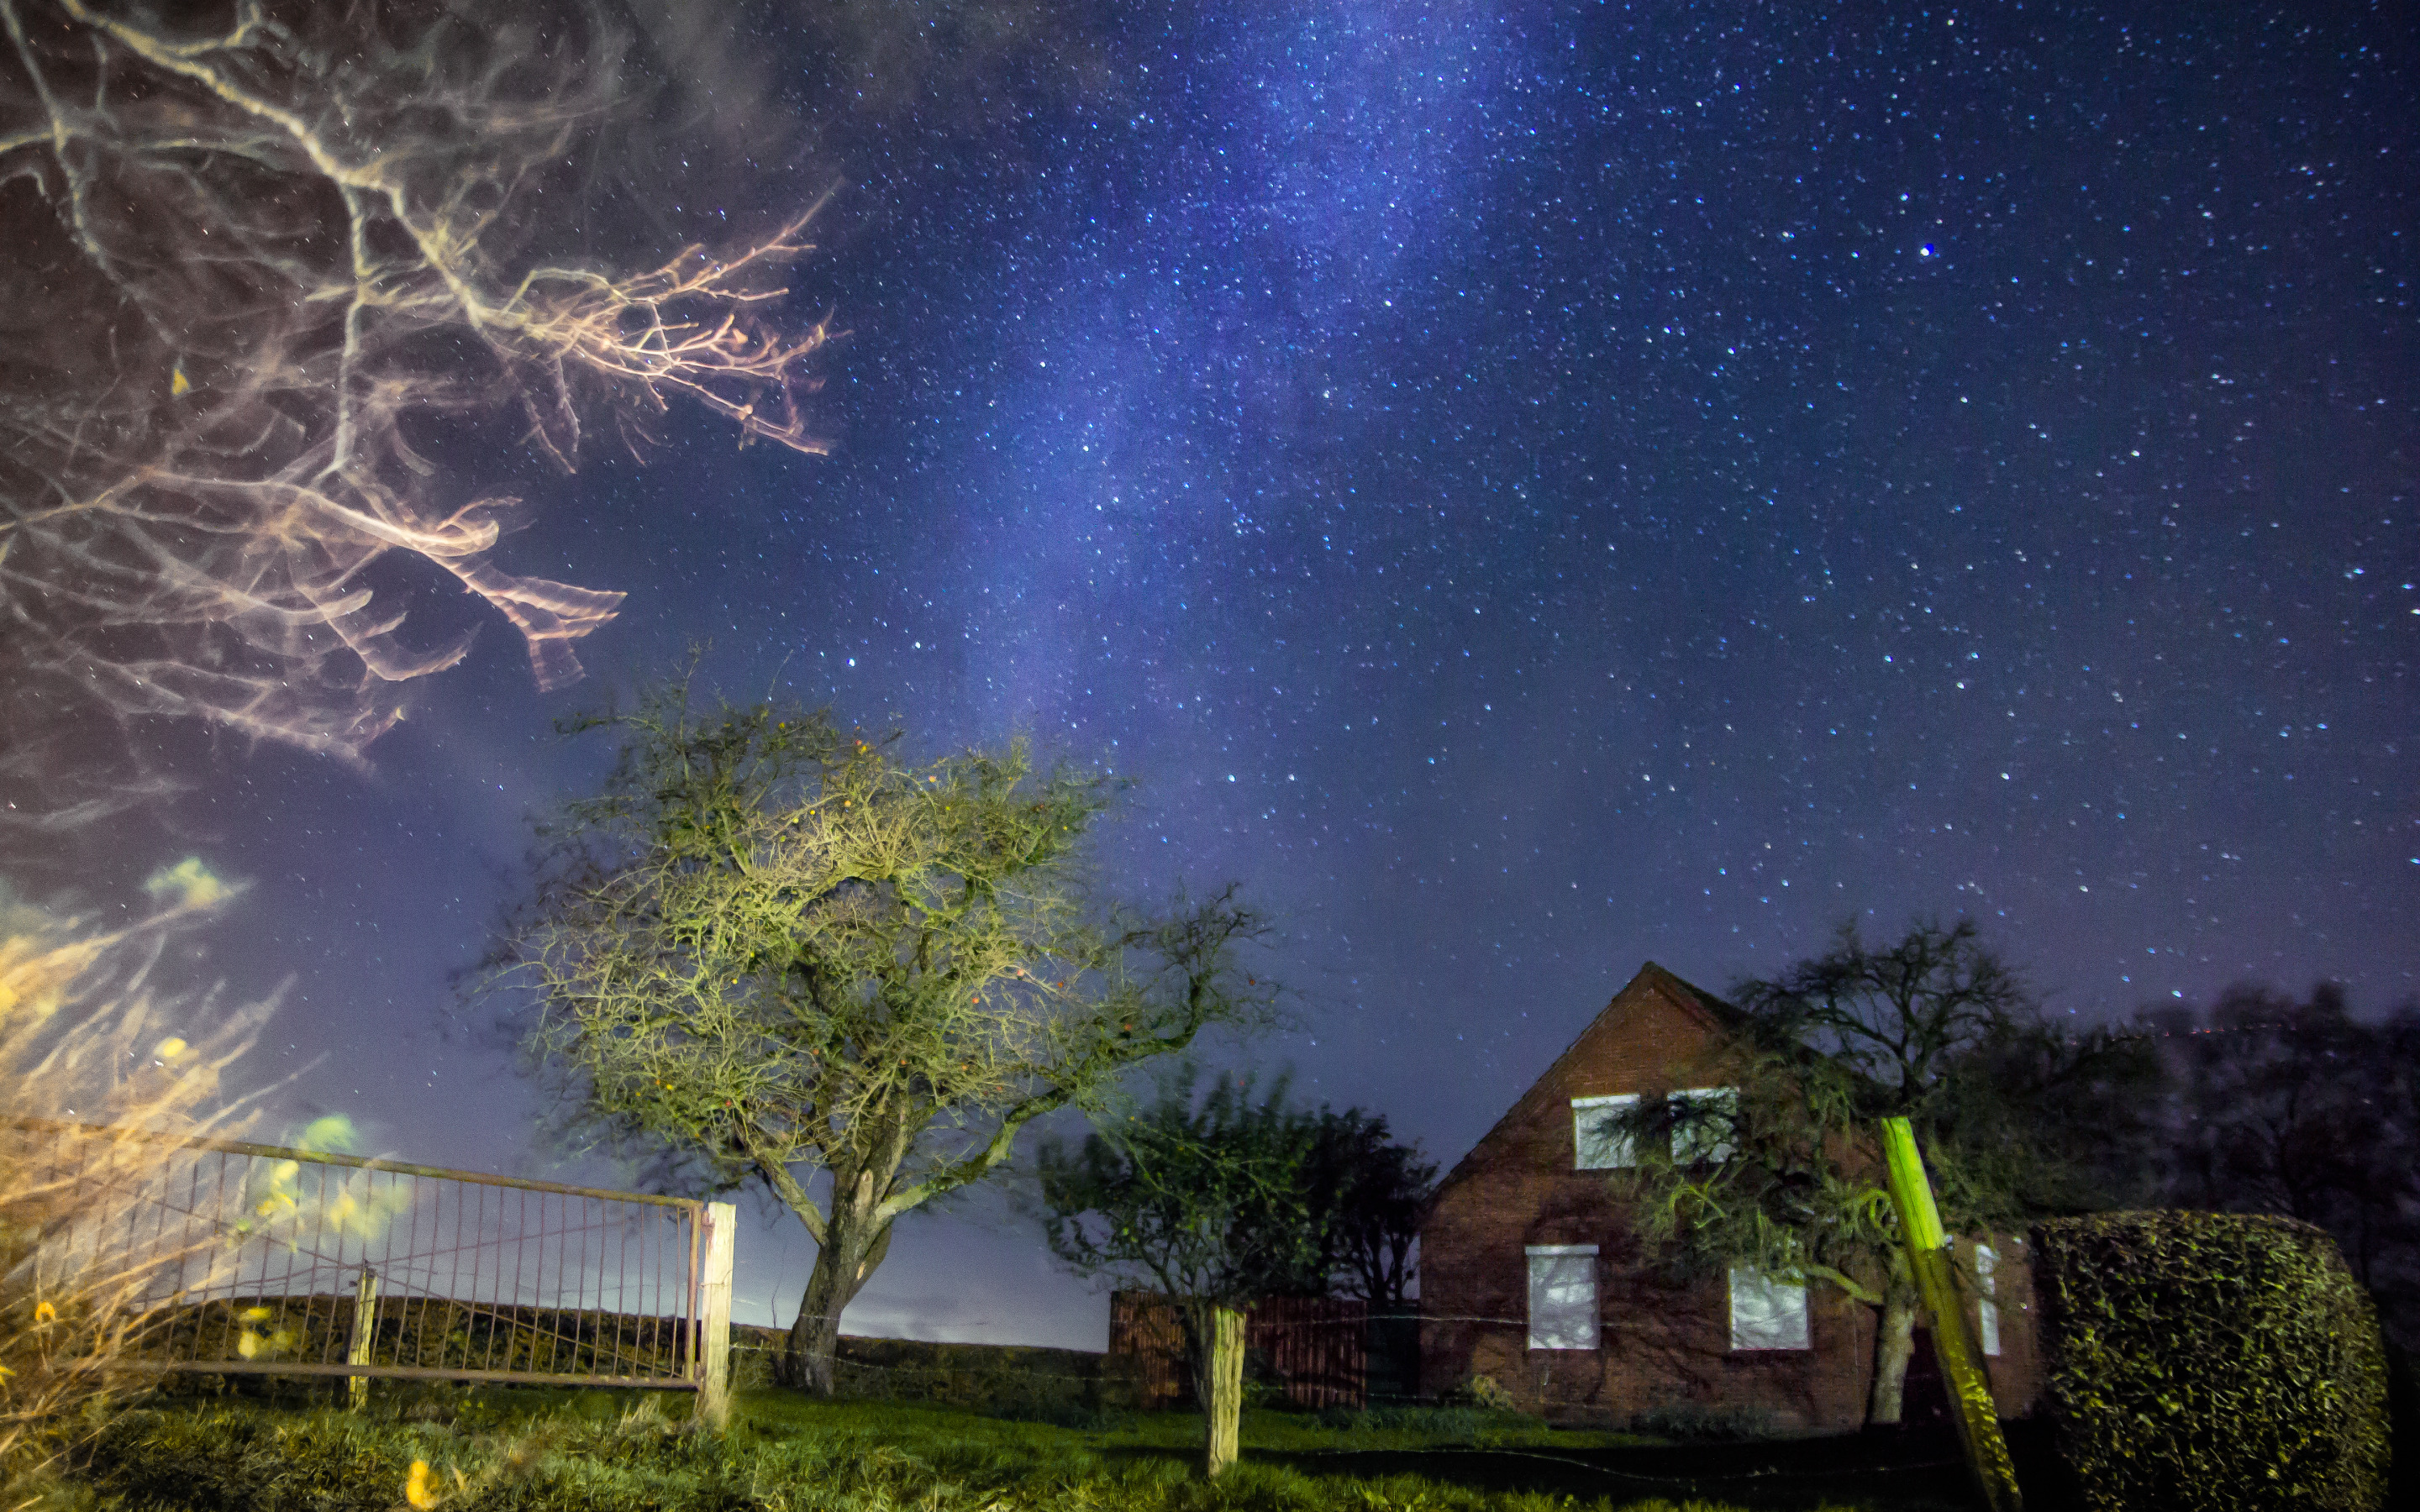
1530,1274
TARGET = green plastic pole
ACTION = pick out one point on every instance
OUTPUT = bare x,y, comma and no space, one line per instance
1961,1355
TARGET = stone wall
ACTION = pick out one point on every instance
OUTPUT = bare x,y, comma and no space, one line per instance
1017,1379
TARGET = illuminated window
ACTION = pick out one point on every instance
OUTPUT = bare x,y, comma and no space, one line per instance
1596,1146
1988,1311
1562,1296
1767,1314
1709,1139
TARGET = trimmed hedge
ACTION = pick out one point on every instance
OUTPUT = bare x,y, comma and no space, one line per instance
2211,1360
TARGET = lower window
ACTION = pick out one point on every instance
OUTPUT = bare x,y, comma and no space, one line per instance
1767,1314
1562,1296
1988,1310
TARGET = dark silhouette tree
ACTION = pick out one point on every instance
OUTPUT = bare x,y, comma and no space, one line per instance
2300,1110
1372,1189
1214,1198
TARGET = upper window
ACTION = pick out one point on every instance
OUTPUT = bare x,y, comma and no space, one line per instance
1596,1144
1562,1296
1767,1314
1708,1136
1987,1311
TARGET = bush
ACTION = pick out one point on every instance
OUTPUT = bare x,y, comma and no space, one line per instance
1482,1391
83,1038
1441,1424
2211,1360
1693,1423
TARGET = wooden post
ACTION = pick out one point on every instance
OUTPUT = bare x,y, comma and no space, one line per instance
1953,1341
365,1292
1224,1410
714,1313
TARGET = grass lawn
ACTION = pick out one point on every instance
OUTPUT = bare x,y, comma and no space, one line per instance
599,1452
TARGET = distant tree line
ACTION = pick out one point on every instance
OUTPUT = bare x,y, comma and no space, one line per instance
2299,1108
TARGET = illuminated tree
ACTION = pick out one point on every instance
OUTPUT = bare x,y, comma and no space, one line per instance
87,1038
263,271
772,952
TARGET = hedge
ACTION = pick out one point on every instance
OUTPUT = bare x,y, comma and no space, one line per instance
2211,1360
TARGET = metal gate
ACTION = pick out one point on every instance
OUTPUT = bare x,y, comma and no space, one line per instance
260,1259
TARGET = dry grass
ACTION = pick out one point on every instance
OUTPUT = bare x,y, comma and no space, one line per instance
87,1038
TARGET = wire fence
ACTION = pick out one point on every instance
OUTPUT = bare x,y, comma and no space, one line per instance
260,1259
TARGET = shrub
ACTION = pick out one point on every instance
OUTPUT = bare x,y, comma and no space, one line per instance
1482,1392
1440,1425
2211,1360
1694,1422
85,1039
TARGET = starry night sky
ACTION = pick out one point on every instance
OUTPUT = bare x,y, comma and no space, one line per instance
1526,489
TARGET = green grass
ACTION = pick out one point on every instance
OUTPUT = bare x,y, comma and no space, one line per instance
567,1452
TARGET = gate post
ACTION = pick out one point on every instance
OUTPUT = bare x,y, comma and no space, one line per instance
365,1336
714,1313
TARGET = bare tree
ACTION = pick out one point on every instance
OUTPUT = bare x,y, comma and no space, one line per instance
262,262
776,954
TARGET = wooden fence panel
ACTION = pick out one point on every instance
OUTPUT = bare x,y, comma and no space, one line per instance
1316,1347
1313,1349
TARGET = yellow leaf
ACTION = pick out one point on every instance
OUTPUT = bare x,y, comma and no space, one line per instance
178,385
420,1487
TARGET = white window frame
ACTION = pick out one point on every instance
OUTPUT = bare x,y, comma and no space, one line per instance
1720,1151
1987,1309
1572,1332
1777,1321
1592,1150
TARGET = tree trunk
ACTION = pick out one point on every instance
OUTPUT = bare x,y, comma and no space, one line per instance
841,1265
1894,1344
1220,1387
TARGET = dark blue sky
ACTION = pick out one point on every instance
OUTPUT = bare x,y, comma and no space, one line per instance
1526,489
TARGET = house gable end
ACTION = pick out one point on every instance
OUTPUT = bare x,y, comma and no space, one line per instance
1647,1034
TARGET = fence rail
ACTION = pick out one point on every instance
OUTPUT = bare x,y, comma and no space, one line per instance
261,1259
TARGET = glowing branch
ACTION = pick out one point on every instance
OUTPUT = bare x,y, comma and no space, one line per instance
253,277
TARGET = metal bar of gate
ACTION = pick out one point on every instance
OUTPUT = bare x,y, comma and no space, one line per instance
420,1299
